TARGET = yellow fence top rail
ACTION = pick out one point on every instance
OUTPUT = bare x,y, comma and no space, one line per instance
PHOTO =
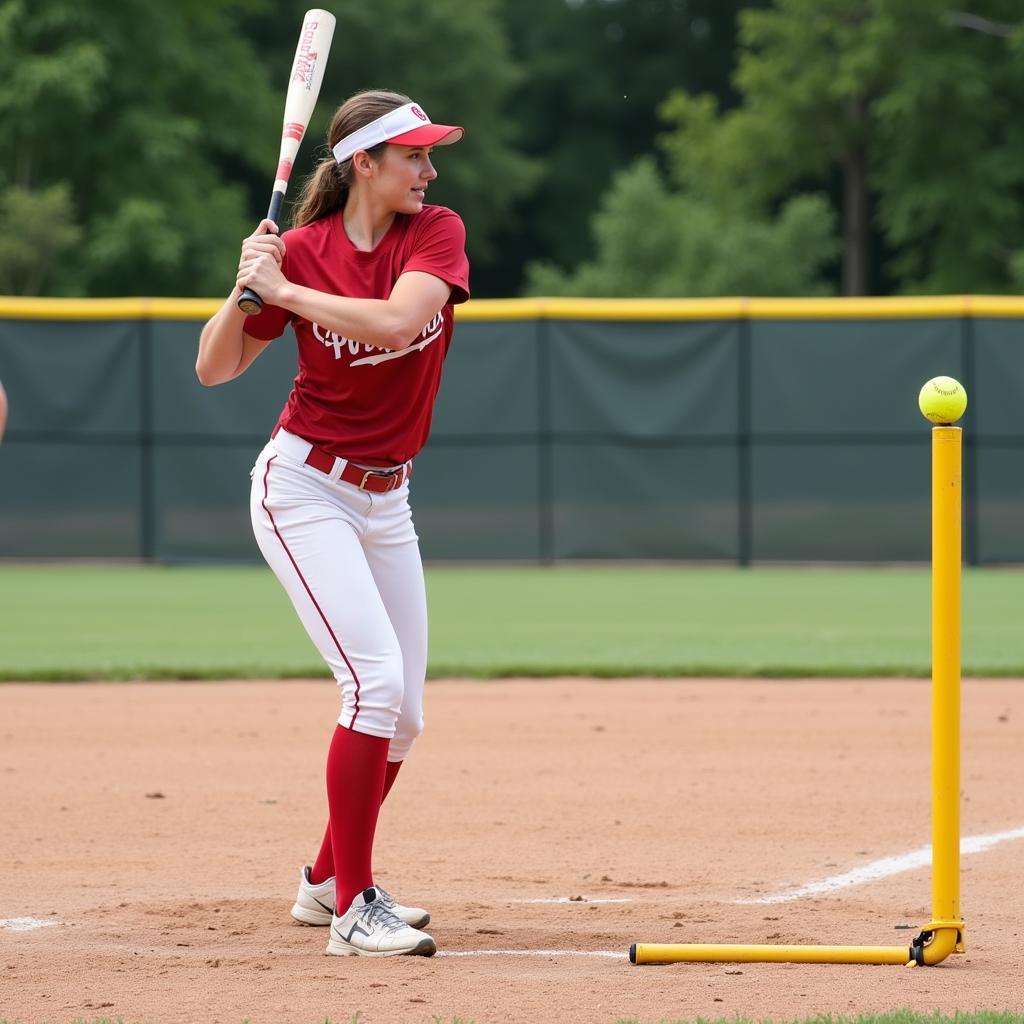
16,308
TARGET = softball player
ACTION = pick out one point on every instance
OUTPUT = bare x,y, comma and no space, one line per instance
367,279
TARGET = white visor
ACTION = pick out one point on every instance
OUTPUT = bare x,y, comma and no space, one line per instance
406,126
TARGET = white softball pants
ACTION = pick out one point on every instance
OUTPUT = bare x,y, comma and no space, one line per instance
350,562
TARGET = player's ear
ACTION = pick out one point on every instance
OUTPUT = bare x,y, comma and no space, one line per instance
362,163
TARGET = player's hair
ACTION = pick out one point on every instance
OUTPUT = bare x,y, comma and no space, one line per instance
326,189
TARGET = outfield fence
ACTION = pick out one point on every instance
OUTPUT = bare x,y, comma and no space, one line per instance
727,430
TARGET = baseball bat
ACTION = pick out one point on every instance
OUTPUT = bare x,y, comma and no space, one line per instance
303,88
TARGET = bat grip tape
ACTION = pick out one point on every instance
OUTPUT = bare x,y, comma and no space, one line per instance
249,302
274,212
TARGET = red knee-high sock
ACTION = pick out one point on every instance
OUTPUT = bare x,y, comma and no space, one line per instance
324,866
389,777
356,765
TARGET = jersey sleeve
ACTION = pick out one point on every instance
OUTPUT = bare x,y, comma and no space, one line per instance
440,249
270,322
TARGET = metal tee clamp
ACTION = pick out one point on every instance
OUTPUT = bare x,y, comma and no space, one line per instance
944,934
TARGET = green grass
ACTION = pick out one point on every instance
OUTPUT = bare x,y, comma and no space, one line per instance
151,622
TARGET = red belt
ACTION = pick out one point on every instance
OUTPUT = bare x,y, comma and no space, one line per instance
377,481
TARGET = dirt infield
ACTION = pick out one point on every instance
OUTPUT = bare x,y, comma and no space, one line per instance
158,829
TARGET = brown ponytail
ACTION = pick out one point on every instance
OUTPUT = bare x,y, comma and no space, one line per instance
326,189
323,192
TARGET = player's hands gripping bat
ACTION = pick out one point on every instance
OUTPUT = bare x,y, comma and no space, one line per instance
303,88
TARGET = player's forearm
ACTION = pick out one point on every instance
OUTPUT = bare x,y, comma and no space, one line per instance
379,322
222,343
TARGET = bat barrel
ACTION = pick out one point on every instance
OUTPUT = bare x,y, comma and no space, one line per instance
303,88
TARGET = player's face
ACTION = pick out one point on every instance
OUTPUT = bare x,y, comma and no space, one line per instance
404,174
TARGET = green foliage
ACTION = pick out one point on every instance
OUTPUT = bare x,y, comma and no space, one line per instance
910,110
587,105
655,242
929,105
1017,271
140,138
120,119
143,136
949,150
39,230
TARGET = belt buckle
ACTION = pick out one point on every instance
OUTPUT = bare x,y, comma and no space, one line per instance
394,479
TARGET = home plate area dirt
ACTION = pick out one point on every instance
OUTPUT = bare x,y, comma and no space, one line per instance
152,837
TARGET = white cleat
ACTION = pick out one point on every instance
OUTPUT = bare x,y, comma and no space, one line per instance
315,904
415,917
368,928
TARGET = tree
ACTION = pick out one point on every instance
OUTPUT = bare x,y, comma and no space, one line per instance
130,111
596,71
159,124
39,232
653,242
899,100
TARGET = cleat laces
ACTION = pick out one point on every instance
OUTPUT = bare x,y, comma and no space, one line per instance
386,898
378,913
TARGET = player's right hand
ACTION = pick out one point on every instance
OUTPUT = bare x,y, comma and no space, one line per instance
264,240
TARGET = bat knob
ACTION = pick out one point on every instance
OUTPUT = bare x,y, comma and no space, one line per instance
249,302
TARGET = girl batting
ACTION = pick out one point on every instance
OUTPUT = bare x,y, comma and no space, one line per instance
367,280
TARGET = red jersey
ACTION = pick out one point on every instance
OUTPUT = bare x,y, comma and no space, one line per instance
362,402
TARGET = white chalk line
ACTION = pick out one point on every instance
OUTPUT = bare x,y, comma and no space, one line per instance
24,924
884,868
604,953
871,872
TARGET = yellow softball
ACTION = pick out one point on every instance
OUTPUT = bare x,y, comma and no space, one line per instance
943,400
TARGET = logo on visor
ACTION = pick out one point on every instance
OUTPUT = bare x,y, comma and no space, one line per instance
419,113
